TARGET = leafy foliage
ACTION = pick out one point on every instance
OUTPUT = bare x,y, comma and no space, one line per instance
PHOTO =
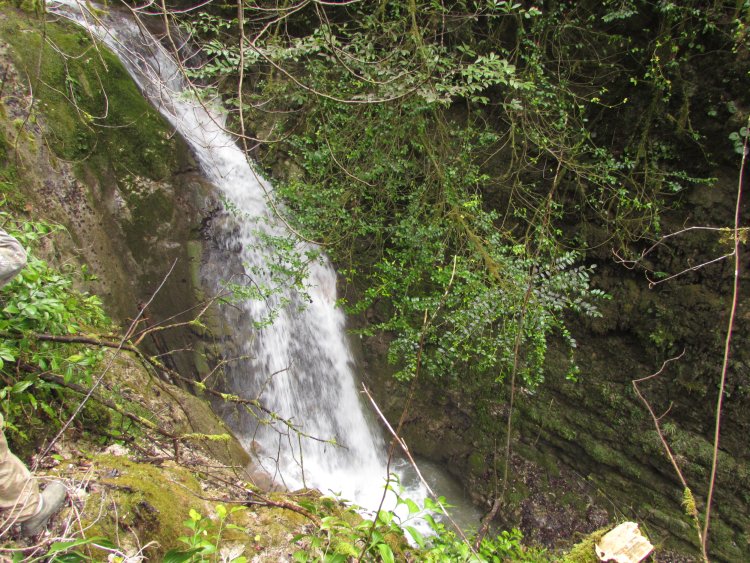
204,543
42,301
339,538
443,147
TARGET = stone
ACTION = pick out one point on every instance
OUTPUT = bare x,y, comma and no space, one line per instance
624,544
117,450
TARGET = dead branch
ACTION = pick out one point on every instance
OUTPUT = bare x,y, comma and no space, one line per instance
727,346
407,453
665,444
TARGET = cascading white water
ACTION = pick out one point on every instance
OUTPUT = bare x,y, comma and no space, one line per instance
306,345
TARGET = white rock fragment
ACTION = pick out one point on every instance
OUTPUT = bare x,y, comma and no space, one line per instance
624,544
116,449
80,494
231,552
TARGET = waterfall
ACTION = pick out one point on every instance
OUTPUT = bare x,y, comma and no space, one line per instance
301,361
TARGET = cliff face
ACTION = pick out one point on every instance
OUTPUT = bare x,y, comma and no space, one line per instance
94,156
587,451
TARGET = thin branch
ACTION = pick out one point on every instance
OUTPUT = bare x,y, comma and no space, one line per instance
652,283
657,419
407,453
727,347
665,444
630,264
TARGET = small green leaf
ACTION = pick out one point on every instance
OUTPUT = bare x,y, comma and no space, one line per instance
386,553
176,556
7,354
21,386
221,511
73,557
415,535
65,545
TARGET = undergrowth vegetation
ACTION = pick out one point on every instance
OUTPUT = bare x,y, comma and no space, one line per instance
340,535
42,303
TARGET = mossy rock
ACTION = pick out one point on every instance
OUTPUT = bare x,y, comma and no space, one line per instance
189,414
584,551
477,463
144,506
152,502
95,113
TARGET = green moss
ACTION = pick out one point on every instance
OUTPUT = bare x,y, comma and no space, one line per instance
517,493
477,464
10,194
4,146
191,414
94,415
199,359
150,501
584,551
151,208
94,111
141,504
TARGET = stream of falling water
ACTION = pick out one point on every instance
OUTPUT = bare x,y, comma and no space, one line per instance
306,345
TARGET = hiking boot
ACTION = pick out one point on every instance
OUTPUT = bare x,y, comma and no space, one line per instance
53,498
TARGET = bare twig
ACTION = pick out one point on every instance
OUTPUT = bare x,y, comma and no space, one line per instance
632,264
407,453
727,347
657,419
652,283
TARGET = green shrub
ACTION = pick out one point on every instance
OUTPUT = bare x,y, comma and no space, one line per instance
42,302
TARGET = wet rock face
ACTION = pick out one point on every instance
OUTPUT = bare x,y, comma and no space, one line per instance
594,439
124,186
